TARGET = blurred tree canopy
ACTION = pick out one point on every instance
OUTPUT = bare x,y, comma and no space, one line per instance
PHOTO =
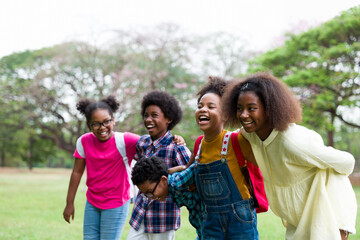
39,89
322,66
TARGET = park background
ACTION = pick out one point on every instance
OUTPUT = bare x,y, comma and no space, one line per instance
40,84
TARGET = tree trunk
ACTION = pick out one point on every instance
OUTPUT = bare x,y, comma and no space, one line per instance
31,152
2,164
330,137
330,133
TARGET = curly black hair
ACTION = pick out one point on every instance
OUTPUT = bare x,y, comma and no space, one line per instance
167,103
148,169
215,85
280,103
87,106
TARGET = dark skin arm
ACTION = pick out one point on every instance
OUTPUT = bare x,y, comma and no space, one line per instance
78,170
177,169
179,140
249,156
191,160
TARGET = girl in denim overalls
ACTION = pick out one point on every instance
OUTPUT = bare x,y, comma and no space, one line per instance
229,210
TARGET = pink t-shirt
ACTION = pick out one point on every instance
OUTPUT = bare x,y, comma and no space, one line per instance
107,179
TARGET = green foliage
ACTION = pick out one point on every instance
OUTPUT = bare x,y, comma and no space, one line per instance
322,67
348,138
39,89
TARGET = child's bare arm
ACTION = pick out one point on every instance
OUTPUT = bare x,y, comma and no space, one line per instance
251,158
177,169
179,140
182,167
191,160
249,155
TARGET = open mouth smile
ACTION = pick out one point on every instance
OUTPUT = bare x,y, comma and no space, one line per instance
245,123
203,119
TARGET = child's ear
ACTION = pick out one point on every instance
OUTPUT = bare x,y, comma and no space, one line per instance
164,179
88,126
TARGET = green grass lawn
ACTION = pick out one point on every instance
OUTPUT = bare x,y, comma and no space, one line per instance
31,205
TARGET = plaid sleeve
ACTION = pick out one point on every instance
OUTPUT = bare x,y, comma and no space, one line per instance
138,212
182,155
182,197
141,146
183,178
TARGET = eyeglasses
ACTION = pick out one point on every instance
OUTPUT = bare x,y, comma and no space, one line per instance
151,195
97,125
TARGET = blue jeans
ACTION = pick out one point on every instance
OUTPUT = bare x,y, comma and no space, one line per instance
227,215
104,224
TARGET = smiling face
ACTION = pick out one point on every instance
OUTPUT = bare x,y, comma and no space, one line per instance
155,190
208,115
101,116
155,122
251,113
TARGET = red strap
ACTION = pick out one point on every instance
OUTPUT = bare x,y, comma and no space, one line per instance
196,145
237,149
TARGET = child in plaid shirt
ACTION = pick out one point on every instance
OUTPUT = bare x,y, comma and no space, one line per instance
153,219
153,179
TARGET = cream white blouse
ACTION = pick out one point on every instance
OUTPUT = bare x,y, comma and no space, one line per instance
306,183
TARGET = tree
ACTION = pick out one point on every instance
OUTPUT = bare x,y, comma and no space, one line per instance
160,59
40,88
322,67
44,85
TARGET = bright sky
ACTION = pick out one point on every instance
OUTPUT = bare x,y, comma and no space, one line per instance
33,24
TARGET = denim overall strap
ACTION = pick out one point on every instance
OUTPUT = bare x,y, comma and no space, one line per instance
223,148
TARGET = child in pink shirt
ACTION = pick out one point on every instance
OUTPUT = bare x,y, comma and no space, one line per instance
108,194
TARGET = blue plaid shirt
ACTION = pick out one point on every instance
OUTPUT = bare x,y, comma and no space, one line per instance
178,183
158,216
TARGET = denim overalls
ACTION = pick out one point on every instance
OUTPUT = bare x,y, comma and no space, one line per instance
227,215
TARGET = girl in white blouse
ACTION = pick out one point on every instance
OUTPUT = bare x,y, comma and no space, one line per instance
306,182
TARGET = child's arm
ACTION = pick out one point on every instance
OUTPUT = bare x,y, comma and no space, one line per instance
191,160
310,146
247,150
77,172
195,150
181,155
179,140
251,158
177,169
183,178
182,167
130,140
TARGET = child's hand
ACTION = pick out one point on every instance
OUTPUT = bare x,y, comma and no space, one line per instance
69,213
179,140
177,169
